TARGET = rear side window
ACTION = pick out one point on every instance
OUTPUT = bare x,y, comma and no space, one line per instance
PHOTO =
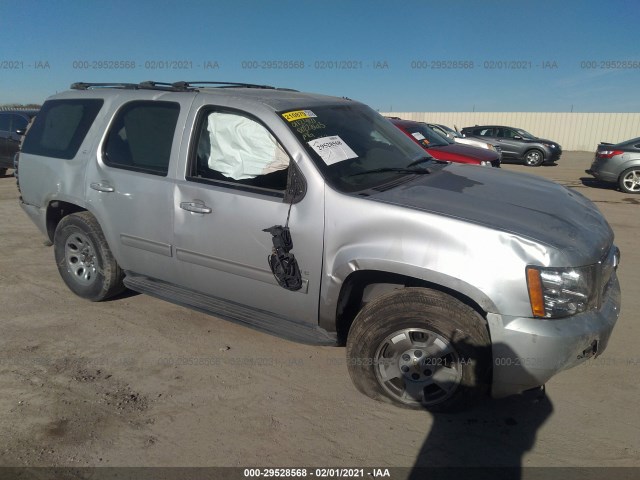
483,132
141,137
60,127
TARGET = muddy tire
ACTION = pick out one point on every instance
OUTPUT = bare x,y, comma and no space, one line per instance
421,349
84,259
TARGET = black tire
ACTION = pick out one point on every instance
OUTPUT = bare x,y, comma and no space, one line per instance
629,181
3,172
533,158
84,259
456,345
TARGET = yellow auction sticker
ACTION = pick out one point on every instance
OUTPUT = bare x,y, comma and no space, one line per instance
298,115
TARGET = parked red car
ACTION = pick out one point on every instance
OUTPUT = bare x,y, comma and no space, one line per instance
441,148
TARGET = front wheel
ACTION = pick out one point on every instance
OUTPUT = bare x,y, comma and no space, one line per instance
3,172
629,181
84,259
422,349
533,158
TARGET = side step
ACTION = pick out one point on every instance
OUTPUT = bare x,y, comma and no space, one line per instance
257,319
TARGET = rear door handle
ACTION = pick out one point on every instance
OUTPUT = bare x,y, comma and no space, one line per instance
195,207
102,187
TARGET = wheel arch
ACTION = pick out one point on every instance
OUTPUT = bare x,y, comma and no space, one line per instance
362,286
56,211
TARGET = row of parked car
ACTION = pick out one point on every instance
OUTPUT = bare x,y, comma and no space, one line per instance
489,145
13,125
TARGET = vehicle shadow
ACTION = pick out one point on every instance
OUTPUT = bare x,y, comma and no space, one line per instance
594,183
487,441
123,295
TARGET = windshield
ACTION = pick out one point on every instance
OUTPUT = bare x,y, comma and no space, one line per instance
347,140
446,131
525,134
425,135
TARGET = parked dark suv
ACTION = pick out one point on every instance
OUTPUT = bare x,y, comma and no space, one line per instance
13,124
517,144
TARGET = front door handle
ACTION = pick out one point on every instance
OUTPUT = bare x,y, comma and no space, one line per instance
195,207
102,187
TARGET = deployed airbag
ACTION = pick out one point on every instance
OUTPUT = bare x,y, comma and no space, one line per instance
242,148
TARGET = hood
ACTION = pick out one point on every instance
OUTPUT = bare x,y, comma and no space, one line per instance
520,204
458,152
543,140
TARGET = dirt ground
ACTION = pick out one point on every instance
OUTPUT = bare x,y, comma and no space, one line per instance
140,382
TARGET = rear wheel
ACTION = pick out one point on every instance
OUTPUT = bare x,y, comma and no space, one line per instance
3,172
533,158
629,181
84,259
421,349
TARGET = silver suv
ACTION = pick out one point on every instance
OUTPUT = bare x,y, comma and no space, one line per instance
314,218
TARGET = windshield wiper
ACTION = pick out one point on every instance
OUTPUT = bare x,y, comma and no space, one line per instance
416,171
420,160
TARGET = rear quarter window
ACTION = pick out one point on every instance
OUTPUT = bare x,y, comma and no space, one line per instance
60,127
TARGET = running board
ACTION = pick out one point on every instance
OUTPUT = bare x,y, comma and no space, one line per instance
250,317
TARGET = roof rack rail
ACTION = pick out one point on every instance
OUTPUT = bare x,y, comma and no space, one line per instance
195,84
146,85
172,87
222,85
87,86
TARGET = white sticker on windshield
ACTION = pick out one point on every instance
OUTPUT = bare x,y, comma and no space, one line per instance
418,136
332,149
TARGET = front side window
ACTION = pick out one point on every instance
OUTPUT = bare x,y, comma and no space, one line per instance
141,137
60,127
236,150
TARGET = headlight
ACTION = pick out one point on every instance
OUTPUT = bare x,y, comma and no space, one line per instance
560,292
550,145
485,163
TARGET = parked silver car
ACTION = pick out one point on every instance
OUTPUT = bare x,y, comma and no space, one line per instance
619,163
314,218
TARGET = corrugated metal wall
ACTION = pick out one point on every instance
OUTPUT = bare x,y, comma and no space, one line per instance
574,131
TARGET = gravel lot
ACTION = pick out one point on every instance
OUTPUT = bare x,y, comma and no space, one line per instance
140,382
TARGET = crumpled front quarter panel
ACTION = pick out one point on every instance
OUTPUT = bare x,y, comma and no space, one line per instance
484,264
472,230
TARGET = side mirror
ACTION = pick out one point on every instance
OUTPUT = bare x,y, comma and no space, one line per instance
296,185
517,137
20,131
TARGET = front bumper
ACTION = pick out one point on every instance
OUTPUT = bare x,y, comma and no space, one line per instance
527,352
553,155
